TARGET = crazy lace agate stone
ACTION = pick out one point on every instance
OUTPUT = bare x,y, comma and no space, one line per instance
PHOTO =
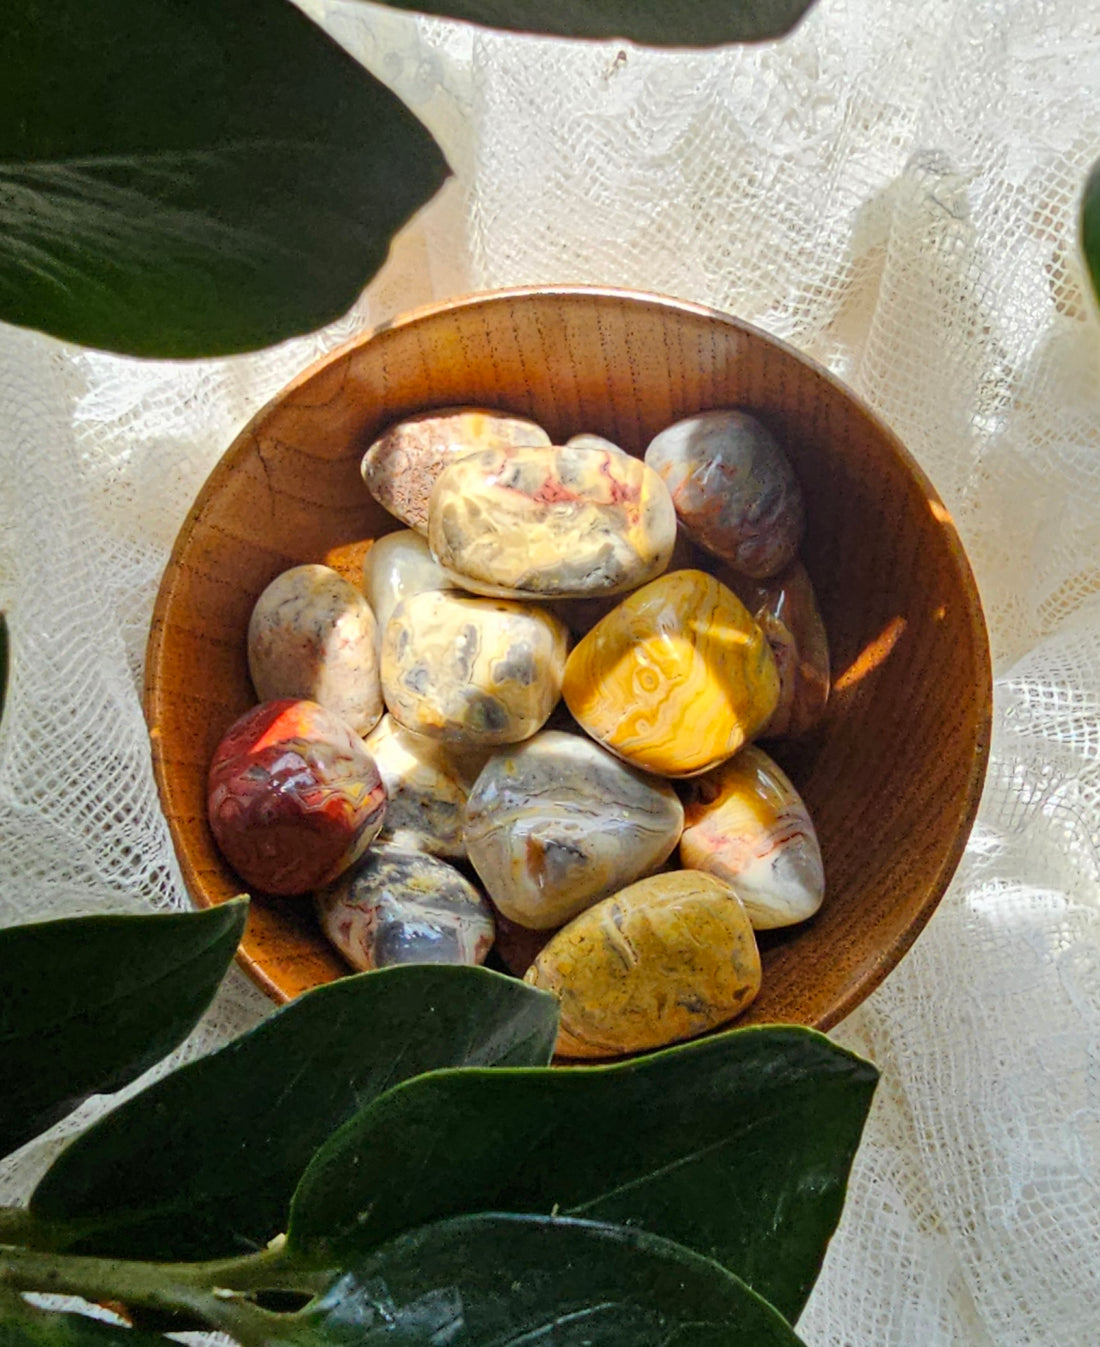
401,466
586,440
747,825
734,489
581,615
400,907
665,959
786,609
313,635
557,823
293,797
427,785
396,566
676,679
472,671
552,522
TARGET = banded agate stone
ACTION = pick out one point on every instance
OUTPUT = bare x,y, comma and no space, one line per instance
734,489
401,466
747,825
426,787
312,635
587,440
396,566
557,823
400,907
552,522
472,671
786,609
293,797
676,678
665,959
581,615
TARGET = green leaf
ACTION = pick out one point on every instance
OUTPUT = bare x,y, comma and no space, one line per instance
660,23
1090,226
89,1003
193,179
499,1280
22,1325
738,1146
204,1162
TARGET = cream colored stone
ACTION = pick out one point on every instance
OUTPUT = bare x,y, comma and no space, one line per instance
551,523
312,635
472,671
557,823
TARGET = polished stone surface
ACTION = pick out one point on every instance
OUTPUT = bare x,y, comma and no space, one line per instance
396,566
293,797
786,609
551,522
557,823
313,635
427,784
747,825
663,960
472,671
676,678
581,615
401,466
401,907
587,440
734,488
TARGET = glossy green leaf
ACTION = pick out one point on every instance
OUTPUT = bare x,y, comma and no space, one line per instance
204,1162
660,23
89,1003
1090,226
22,1325
738,1146
497,1280
181,179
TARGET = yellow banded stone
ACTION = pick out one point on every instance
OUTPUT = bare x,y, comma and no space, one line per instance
665,959
676,678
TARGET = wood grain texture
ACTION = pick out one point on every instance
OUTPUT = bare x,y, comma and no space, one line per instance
893,773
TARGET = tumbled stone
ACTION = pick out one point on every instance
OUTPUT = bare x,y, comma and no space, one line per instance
396,566
401,466
427,784
786,609
293,797
472,671
747,825
312,635
676,678
401,907
557,823
586,440
551,522
665,959
581,615
734,489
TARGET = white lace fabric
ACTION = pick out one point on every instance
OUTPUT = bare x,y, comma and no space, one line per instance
893,189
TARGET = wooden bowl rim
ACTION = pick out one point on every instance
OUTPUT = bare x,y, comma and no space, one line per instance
889,957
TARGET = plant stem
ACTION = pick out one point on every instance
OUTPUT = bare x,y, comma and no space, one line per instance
17,1225
217,1292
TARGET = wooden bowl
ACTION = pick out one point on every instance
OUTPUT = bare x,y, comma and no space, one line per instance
892,775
